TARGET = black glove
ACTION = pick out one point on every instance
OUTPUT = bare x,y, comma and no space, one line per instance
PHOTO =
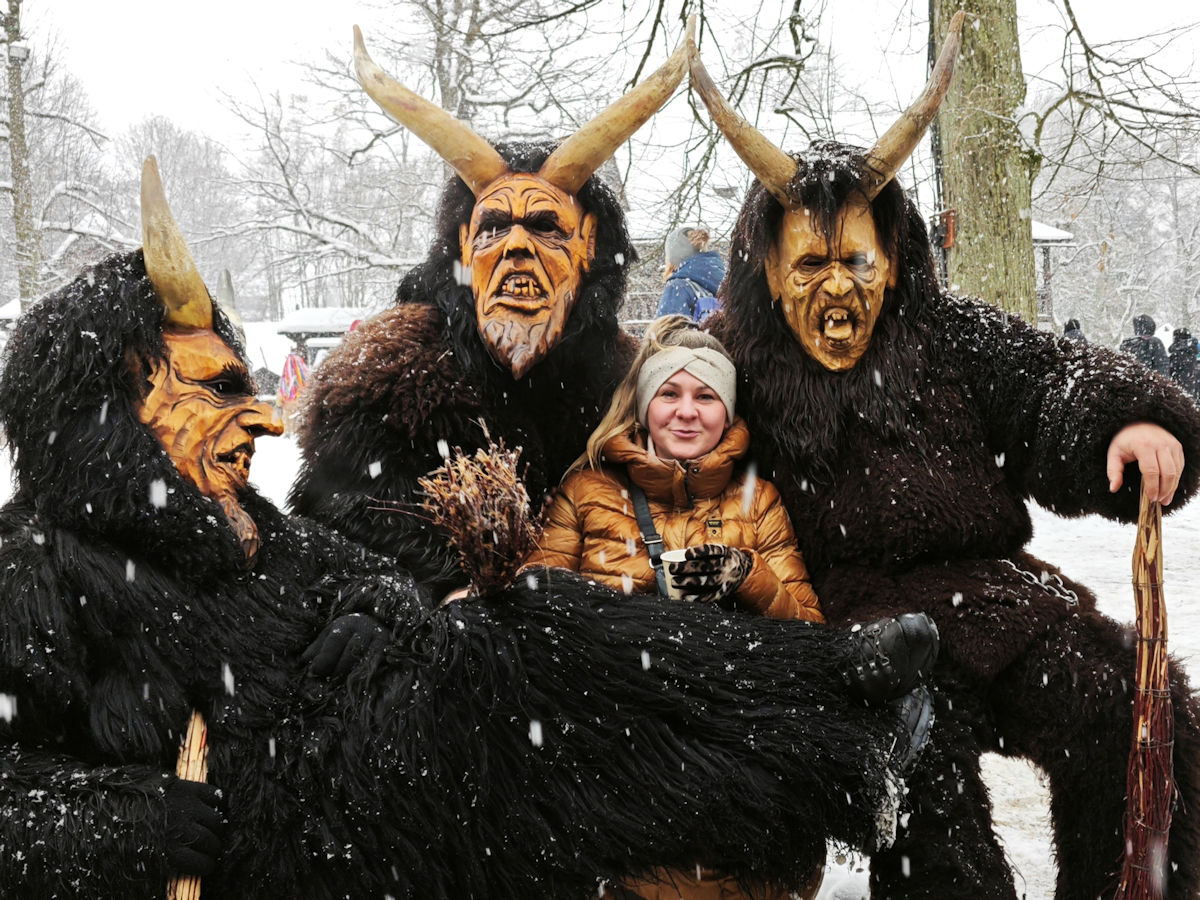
195,826
889,657
342,643
710,572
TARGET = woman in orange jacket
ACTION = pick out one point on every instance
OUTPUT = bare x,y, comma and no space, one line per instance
661,472
671,434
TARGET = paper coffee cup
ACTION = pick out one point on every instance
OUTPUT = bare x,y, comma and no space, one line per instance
671,556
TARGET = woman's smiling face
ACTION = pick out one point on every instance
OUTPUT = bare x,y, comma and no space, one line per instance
686,418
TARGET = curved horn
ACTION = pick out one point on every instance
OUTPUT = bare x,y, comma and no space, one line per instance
771,166
574,161
890,151
169,263
473,158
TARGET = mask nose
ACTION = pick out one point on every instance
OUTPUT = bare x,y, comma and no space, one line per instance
518,243
261,419
839,283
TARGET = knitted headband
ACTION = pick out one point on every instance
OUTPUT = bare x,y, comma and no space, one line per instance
709,365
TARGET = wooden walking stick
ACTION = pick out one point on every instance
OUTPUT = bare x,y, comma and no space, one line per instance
192,765
1150,785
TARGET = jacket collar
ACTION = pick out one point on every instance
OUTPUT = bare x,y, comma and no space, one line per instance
671,481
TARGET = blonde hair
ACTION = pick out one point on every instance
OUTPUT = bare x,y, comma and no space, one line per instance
661,334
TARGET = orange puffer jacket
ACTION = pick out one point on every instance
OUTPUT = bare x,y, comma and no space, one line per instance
591,527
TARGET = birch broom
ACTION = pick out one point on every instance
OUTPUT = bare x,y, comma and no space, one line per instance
1150,785
482,505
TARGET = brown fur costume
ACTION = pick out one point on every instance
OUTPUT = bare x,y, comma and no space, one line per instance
418,374
906,478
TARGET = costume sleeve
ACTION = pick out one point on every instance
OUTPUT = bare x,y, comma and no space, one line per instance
778,585
72,830
375,412
561,544
527,711
1050,408
677,297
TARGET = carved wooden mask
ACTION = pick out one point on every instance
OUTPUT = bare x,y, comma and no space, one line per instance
201,407
831,287
526,250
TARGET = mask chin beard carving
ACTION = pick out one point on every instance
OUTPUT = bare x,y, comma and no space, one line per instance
526,250
832,289
201,407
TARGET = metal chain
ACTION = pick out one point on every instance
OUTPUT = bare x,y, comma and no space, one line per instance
1049,581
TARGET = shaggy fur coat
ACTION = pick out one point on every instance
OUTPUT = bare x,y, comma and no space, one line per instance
527,746
416,380
907,479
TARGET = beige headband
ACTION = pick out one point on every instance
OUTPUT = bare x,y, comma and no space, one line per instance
709,365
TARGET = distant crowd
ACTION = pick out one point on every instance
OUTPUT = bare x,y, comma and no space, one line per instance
1180,361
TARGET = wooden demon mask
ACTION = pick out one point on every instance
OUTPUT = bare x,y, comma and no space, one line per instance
199,401
831,281
529,242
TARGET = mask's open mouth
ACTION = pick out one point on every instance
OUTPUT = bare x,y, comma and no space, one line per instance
238,460
522,291
837,325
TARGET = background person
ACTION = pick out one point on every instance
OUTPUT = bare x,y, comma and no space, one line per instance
692,275
291,388
1073,332
1184,366
1145,347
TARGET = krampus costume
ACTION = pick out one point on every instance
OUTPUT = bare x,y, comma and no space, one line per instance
509,325
906,428
526,747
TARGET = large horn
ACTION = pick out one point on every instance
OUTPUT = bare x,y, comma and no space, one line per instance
474,159
169,263
890,151
771,166
574,161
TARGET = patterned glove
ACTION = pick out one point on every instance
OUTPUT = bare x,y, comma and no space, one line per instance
711,572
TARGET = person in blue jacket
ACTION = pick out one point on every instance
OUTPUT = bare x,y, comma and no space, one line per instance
693,274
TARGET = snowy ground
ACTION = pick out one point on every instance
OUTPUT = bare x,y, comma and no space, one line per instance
1092,550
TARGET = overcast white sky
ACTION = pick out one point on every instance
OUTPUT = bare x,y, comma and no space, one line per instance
141,57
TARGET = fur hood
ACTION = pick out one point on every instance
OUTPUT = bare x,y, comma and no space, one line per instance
83,460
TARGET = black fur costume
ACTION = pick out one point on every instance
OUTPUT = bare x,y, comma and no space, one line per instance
906,478
519,747
419,374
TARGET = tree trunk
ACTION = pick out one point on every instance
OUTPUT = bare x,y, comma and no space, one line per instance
986,174
25,229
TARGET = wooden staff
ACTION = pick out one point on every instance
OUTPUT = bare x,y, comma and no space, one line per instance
192,765
1150,785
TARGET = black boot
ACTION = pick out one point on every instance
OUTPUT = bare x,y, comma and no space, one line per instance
915,710
891,656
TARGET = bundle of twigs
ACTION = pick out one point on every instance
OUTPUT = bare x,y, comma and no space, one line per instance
1150,784
481,504
192,765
